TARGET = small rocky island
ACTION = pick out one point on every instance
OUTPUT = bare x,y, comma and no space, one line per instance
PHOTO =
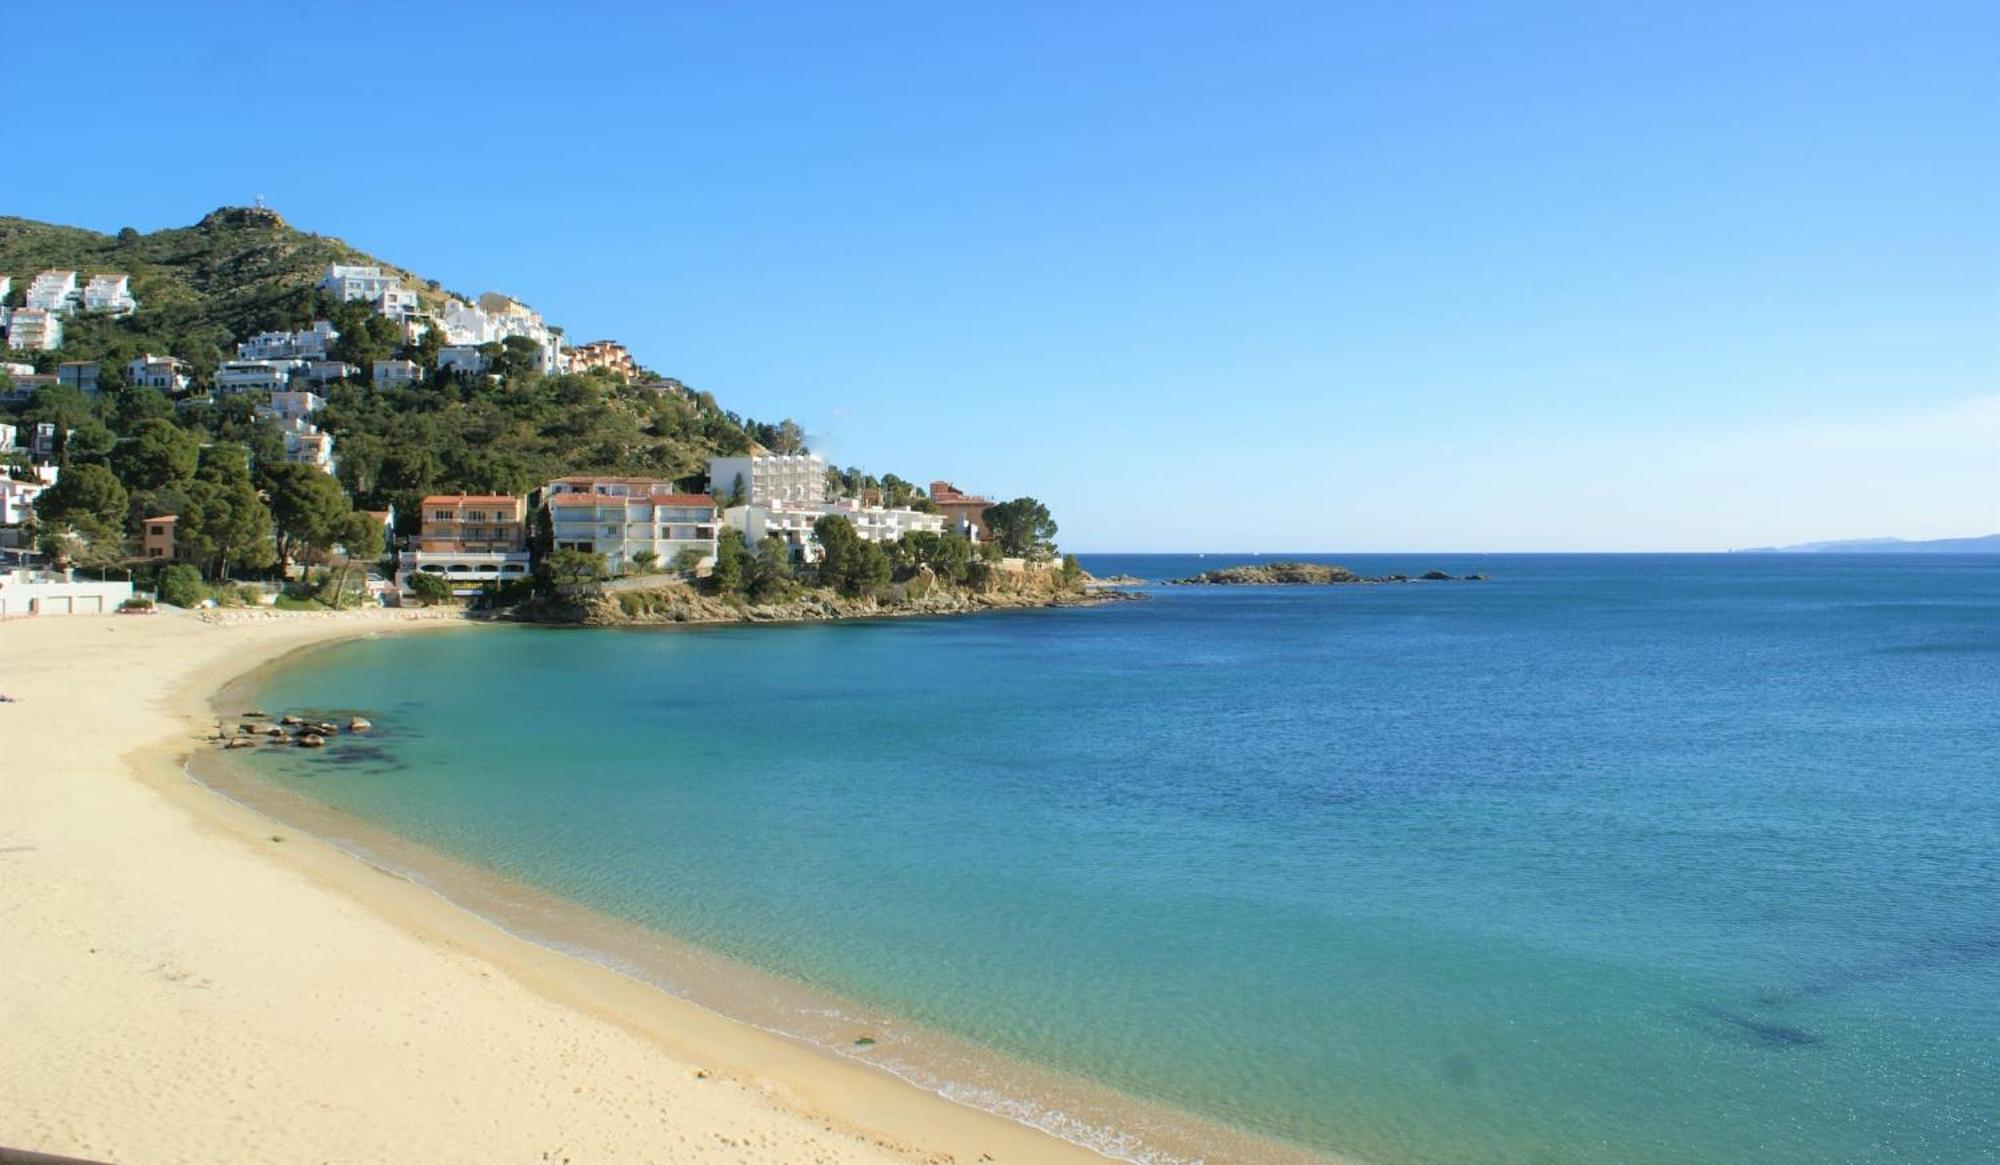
1269,574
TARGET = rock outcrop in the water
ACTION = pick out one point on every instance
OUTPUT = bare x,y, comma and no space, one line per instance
1307,574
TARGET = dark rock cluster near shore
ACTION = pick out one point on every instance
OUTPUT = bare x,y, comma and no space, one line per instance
287,731
1269,574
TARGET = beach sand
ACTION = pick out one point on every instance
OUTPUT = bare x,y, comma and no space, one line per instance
178,984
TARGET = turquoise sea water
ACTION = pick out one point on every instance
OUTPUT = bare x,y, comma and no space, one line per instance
1665,859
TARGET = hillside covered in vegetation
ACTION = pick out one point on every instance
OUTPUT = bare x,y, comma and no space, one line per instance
241,271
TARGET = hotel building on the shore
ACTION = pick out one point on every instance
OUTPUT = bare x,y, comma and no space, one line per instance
470,540
768,479
793,523
623,517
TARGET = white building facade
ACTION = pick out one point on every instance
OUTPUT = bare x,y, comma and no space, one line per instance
622,518
769,479
239,376
110,294
310,344
372,286
34,329
54,291
388,372
493,320
166,373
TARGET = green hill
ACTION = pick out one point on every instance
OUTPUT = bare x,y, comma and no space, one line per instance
238,271
203,288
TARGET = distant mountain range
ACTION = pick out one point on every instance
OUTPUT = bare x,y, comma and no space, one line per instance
1986,544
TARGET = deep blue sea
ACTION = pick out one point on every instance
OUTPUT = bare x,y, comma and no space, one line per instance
1607,859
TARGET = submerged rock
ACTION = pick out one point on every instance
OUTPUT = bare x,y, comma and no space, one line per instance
312,740
359,724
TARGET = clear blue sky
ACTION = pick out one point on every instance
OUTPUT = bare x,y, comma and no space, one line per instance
1231,275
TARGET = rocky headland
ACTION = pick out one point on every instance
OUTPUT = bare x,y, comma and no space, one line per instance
636,603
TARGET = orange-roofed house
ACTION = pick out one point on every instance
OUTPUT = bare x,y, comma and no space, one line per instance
623,518
603,354
470,539
966,513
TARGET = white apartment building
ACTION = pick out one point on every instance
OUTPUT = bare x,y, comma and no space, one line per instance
326,372
6,292
54,291
463,358
7,435
35,329
166,373
397,303
493,319
240,376
622,517
793,523
110,293
882,523
310,344
306,445
369,285
390,372
294,405
769,479
17,500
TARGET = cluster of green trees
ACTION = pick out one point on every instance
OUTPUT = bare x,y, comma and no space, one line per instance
892,490
239,506
1021,528
760,575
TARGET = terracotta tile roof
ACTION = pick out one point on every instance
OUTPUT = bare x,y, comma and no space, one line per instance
651,499
470,499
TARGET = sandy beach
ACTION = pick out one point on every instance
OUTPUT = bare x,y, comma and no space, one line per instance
185,981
